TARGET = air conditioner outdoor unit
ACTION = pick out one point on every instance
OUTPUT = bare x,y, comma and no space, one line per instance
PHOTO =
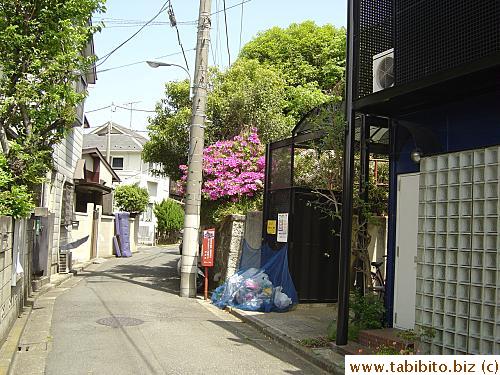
65,261
383,70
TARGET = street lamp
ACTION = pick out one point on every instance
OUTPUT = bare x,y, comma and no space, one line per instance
157,64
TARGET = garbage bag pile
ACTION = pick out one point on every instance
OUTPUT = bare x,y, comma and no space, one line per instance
269,288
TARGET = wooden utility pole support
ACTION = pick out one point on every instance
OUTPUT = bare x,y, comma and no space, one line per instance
190,240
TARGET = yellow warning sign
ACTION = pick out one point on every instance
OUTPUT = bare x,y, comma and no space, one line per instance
271,227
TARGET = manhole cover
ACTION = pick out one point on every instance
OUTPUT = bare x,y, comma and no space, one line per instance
119,321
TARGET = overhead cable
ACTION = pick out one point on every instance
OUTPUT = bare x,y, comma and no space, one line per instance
227,35
106,56
142,61
173,23
98,109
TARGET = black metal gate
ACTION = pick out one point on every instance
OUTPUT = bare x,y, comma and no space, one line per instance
312,236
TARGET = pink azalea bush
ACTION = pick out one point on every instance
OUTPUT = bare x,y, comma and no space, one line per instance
232,169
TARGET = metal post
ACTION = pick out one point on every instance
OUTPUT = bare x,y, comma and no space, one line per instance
348,180
363,192
195,162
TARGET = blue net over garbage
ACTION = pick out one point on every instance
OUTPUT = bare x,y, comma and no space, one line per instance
263,282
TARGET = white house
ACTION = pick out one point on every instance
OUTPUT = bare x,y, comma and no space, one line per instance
57,193
126,160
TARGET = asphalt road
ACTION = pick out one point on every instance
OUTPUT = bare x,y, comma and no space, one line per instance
125,317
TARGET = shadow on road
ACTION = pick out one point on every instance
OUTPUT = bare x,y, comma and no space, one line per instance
161,277
249,336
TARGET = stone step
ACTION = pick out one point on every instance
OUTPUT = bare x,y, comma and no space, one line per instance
352,348
375,338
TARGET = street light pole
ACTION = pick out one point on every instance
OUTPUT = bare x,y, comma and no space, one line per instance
195,156
157,64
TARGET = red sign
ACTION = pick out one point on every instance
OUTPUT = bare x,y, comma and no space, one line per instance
208,247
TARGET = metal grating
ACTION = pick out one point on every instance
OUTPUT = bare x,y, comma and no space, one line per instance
433,36
458,263
375,36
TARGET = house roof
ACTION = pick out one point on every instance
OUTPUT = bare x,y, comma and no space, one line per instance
122,139
94,152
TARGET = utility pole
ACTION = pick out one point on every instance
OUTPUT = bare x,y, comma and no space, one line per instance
108,135
190,240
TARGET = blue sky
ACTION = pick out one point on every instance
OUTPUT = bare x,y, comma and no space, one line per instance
144,85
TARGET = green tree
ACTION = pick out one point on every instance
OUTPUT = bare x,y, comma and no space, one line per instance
41,62
131,198
310,57
170,216
248,95
279,76
169,130
305,53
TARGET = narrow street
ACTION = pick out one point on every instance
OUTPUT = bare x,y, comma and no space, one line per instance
125,317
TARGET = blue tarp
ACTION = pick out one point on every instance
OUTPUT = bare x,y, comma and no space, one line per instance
122,228
267,288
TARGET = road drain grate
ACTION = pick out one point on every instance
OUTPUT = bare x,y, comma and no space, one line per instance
119,321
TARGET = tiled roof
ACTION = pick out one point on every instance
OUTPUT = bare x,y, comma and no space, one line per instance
122,139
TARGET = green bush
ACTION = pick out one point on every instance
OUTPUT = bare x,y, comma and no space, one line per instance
170,217
131,198
367,310
213,212
15,200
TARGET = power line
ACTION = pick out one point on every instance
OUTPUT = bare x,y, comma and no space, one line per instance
227,36
173,23
135,109
118,106
98,109
106,56
124,21
142,61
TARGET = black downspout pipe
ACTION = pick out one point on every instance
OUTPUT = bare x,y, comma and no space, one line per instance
391,230
267,185
348,178
363,191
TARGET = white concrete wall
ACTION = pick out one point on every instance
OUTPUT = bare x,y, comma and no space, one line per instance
106,232
82,229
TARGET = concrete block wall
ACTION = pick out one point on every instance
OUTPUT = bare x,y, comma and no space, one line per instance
11,299
228,244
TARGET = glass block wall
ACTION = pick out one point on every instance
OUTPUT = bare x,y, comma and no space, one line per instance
458,262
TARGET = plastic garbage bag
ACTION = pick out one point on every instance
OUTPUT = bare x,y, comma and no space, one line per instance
269,288
281,300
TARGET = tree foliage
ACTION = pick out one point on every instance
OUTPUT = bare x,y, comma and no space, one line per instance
248,95
131,198
170,216
169,130
41,61
279,76
305,52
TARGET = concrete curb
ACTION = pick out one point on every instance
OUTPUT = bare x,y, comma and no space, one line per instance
9,349
288,342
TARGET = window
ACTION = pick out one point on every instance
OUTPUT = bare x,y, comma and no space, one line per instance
148,214
117,163
152,188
